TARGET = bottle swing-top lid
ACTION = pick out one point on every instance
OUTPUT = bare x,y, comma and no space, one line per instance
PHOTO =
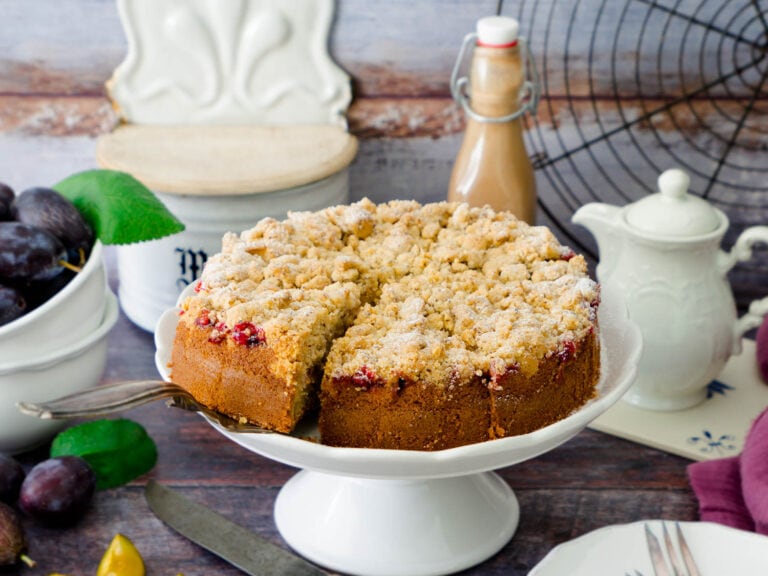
497,31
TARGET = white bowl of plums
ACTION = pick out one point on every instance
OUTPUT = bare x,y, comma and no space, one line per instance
53,285
56,309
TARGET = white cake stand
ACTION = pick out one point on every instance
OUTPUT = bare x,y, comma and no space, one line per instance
406,513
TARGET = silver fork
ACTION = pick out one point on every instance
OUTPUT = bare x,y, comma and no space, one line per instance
680,561
111,398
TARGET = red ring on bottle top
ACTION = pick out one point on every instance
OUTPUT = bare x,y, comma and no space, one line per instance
488,45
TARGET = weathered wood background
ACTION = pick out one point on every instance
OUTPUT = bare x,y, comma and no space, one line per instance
630,88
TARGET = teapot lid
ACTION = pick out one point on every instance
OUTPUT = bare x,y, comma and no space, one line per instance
672,211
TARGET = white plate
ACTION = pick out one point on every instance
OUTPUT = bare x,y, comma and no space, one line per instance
621,549
621,346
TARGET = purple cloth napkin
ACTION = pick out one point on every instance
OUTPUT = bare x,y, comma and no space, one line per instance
761,346
734,491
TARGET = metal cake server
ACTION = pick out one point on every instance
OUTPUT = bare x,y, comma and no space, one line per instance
120,396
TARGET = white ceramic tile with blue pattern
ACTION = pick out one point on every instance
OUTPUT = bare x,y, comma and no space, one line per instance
713,429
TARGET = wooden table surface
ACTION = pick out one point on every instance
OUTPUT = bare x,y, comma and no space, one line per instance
591,481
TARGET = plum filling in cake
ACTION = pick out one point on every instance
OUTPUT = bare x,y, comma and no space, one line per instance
499,373
203,319
567,351
243,333
363,378
412,326
246,334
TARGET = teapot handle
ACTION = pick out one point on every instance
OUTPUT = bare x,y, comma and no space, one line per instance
742,249
753,318
741,252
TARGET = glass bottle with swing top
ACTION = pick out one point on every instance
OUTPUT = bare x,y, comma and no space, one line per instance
492,166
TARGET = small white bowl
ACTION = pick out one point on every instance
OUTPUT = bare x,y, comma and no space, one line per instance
52,374
66,318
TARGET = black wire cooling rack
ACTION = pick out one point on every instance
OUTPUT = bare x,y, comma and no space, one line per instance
630,88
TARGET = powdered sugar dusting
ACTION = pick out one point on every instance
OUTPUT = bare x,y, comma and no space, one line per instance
430,292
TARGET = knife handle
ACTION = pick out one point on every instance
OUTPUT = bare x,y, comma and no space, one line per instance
102,400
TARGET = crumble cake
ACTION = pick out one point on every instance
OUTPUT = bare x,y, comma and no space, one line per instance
407,326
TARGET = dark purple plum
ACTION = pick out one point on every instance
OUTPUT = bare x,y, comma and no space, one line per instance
29,252
11,477
13,541
57,491
6,199
12,305
37,292
48,210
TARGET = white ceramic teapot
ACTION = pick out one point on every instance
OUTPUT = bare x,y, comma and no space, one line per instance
663,253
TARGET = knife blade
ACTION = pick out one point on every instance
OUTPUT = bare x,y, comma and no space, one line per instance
243,549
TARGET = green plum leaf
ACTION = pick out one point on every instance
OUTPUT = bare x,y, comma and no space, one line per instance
120,209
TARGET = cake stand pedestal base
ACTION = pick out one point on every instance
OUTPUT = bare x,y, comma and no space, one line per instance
371,527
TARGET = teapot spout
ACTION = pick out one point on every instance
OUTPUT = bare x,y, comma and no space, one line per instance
602,221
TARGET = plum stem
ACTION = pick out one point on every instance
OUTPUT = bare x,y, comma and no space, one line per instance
27,560
68,266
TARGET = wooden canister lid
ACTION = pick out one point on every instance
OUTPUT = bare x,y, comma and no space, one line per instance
207,160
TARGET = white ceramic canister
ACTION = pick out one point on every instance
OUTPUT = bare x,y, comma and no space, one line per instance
217,180
230,111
